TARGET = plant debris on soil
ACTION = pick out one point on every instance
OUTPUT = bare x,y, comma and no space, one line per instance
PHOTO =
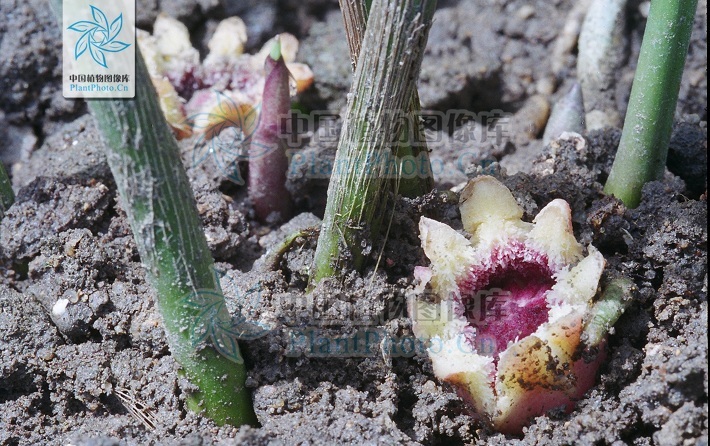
83,356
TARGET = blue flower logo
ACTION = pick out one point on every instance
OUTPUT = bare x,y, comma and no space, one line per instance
98,36
213,323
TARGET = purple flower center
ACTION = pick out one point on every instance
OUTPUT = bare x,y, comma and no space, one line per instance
503,298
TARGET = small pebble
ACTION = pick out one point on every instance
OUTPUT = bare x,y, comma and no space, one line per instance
60,307
529,121
525,12
46,354
72,296
644,9
546,85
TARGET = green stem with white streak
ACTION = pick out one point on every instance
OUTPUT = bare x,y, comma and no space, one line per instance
386,72
355,14
155,193
643,149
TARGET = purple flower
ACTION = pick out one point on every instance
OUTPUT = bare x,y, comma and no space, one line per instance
510,300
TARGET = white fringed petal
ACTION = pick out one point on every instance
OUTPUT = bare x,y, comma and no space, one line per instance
484,199
454,362
578,286
228,39
173,41
552,233
540,371
450,254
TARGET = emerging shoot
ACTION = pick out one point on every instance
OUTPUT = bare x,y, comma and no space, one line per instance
268,163
602,53
567,115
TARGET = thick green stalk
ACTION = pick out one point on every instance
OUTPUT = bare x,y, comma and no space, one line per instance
642,152
355,14
386,72
155,193
7,197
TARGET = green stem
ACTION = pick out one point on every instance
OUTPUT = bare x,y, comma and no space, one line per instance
155,192
385,75
7,197
355,14
642,152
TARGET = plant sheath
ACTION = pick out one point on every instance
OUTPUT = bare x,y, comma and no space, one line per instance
642,152
155,193
412,143
386,72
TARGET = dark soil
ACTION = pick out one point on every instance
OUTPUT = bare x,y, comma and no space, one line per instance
66,239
